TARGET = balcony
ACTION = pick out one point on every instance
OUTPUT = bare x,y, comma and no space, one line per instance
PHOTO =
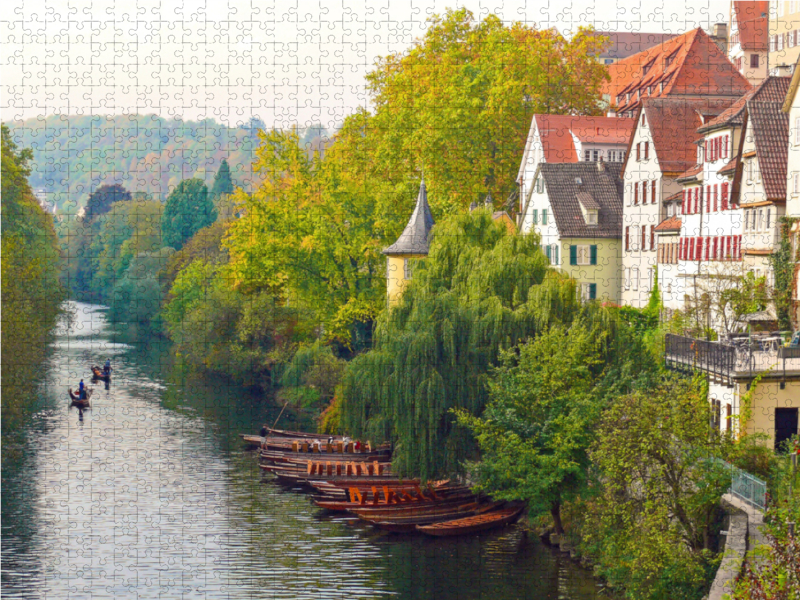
740,359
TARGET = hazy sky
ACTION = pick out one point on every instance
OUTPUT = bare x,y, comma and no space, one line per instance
285,62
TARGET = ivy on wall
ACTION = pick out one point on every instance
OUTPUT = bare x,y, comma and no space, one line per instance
784,262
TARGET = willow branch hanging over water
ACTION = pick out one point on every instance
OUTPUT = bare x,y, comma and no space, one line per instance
480,290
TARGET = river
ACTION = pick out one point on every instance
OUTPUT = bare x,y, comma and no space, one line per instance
150,494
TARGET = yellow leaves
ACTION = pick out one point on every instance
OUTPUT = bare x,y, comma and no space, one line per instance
308,243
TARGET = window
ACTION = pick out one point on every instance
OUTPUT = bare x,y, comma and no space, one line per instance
406,269
635,279
582,255
589,291
754,61
587,155
591,217
554,260
595,155
795,183
627,278
769,213
544,216
797,131
760,219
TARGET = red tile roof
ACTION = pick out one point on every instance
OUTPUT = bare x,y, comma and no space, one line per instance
555,132
669,224
729,168
752,20
691,172
622,44
673,124
688,65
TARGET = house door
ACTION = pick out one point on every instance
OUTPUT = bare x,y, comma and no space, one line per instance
785,425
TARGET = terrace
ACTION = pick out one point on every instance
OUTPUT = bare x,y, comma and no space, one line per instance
738,358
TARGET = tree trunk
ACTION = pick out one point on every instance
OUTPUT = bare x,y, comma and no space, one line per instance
555,510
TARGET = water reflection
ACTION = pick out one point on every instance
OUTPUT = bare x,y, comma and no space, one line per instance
149,494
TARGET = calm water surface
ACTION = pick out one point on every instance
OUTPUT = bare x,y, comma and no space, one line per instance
150,494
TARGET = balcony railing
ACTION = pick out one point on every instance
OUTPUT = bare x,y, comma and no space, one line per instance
746,358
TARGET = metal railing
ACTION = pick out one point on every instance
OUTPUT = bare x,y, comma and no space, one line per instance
743,357
748,488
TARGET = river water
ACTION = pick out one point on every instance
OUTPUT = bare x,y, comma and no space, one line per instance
150,494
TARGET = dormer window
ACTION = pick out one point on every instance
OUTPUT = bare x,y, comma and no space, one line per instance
648,66
578,181
589,208
670,59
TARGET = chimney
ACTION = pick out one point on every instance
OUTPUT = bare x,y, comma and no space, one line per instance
719,35
601,166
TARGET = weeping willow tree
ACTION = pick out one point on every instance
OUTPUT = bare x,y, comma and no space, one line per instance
480,290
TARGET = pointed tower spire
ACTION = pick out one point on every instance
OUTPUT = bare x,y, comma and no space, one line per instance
414,239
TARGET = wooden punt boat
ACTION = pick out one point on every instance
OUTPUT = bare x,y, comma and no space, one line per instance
409,523
284,455
474,524
413,510
81,403
271,444
301,434
97,373
251,440
400,501
340,491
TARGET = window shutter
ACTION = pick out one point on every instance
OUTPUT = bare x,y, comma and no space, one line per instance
644,235
547,253
535,216
592,291
627,238
646,150
653,191
638,152
573,255
556,251
737,240
636,193
544,216
716,196
644,192
652,237
593,255
705,152
725,153
683,201
724,196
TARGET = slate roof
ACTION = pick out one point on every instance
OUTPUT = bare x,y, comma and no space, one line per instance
587,201
687,65
600,180
414,239
622,44
772,89
673,124
669,224
752,20
770,128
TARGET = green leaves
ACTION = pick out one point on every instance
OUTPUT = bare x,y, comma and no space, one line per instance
188,210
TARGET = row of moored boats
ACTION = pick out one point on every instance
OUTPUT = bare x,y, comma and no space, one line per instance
347,476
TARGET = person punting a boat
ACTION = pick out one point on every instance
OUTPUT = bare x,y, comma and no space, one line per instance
81,391
107,367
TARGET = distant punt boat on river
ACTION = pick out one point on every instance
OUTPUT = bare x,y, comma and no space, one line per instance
97,373
77,401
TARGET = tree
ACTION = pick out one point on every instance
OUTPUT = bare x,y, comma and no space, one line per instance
31,293
536,430
458,105
222,181
102,198
480,290
659,486
188,210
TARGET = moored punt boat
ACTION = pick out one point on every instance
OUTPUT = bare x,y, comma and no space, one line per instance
473,524
97,373
300,434
77,401
252,440
401,524
305,446
395,502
